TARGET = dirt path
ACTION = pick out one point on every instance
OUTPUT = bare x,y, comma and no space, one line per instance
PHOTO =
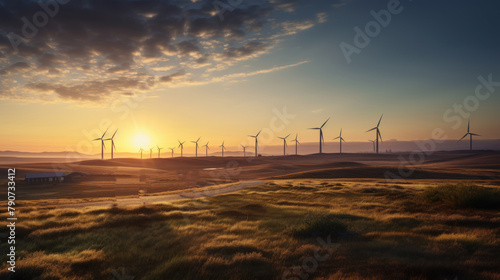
191,194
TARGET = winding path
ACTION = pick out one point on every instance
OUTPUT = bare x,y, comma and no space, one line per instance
192,194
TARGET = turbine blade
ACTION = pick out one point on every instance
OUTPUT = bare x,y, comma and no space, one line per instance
287,136
371,129
97,139
380,120
315,128
258,133
336,138
380,135
463,137
104,133
324,123
468,126
114,134
474,134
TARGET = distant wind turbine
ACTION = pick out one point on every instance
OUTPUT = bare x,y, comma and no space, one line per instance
378,133
223,148
181,145
159,150
172,149
284,143
196,142
151,153
206,149
244,150
296,143
373,142
341,139
256,141
113,147
102,144
470,135
321,139
141,150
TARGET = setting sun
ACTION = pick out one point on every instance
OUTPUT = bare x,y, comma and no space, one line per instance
141,140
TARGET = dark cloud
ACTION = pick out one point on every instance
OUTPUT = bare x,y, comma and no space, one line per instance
89,91
170,78
14,68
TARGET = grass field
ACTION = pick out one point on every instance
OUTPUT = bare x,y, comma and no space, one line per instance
285,229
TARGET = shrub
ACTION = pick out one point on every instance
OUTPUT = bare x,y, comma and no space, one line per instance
319,225
464,196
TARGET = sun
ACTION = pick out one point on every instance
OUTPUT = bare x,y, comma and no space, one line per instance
141,140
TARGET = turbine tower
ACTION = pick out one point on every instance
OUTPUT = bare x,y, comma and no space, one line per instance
244,150
159,150
223,148
470,135
206,149
256,141
151,153
341,139
172,149
113,147
284,143
321,139
296,143
378,133
141,150
196,142
181,145
102,144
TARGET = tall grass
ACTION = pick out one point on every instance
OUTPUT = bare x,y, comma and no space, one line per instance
464,196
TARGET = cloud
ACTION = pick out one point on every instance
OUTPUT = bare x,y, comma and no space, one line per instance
92,50
322,17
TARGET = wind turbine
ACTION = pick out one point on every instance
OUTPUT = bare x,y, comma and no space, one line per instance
470,135
141,150
256,141
196,142
373,142
159,150
321,139
341,139
284,144
296,143
102,144
244,150
113,147
151,153
181,144
223,148
206,149
172,149
378,133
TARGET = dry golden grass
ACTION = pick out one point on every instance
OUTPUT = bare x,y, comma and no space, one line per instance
391,232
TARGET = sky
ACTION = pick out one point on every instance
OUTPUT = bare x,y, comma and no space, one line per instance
164,71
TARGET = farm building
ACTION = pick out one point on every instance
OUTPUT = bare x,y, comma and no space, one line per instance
43,178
